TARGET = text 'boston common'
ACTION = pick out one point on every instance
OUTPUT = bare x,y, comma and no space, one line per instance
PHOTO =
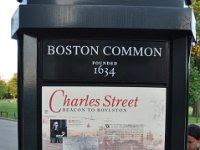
106,50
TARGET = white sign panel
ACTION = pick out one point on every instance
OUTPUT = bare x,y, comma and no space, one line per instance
103,118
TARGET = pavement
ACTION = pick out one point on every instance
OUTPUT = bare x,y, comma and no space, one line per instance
8,135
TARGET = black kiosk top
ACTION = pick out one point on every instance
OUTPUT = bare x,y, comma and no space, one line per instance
142,14
165,3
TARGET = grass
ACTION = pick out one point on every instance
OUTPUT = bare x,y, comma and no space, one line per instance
192,119
8,109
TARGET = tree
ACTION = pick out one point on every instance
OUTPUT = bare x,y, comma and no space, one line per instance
2,89
196,8
194,88
194,84
12,86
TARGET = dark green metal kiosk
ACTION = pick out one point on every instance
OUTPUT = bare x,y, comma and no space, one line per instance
103,74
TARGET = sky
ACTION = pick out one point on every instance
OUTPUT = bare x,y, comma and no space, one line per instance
8,46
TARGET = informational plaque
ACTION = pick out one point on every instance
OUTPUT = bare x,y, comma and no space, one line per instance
103,118
105,60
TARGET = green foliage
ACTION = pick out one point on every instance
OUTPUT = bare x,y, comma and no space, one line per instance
2,89
12,86
8,89
196,8
194,83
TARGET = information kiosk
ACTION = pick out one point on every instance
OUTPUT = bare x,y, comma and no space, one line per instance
103,74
